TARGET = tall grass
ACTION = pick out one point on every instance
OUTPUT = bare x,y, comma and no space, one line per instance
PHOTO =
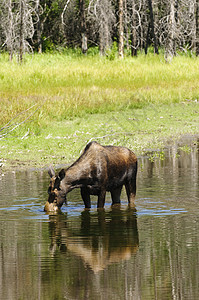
63,86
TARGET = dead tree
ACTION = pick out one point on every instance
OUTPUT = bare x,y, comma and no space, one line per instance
172,24
7,23
102,15
135,25
38,27
84,40
21,31
121,28
126,27
18,26
197,27
133,31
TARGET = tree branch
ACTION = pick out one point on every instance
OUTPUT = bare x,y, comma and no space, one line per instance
63,12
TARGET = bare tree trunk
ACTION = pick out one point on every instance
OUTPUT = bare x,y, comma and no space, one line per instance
126,24
102,14
10,38
147,40
17,24
104,33
152,27
197,27
21,31
39,40
39,31
84,44
172,28
103,38
133,33
170,47
121,29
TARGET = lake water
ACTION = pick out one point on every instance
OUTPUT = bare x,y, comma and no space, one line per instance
151,252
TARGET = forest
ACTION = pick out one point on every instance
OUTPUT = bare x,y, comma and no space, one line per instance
130,26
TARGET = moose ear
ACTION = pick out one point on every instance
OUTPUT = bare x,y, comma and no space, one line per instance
51,172
62,174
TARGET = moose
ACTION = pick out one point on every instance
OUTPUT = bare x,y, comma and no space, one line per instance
97,170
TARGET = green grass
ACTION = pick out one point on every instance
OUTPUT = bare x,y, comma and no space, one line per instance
134,102
142,130
72,86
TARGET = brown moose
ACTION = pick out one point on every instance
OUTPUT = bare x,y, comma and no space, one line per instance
97,170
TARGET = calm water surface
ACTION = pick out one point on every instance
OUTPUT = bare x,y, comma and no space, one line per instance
151,252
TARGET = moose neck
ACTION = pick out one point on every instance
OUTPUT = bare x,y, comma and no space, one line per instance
75,177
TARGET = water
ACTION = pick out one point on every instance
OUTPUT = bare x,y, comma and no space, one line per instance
151,252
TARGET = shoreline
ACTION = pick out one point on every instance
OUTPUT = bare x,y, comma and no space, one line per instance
142,130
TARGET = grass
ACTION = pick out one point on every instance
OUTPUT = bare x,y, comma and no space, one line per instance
142,130
134,102
72,86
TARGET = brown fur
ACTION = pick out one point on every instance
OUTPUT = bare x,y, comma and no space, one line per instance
97,170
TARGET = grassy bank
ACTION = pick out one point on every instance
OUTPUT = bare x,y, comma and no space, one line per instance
142,130
72,86
68,100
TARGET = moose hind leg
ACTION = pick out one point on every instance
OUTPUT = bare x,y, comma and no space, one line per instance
86,197
101,198
131,191
115,195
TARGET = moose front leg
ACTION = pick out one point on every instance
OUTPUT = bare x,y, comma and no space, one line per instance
86,197
101,198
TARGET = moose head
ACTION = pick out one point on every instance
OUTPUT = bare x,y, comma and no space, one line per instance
56,191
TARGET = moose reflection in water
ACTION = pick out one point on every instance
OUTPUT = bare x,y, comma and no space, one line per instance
98,239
